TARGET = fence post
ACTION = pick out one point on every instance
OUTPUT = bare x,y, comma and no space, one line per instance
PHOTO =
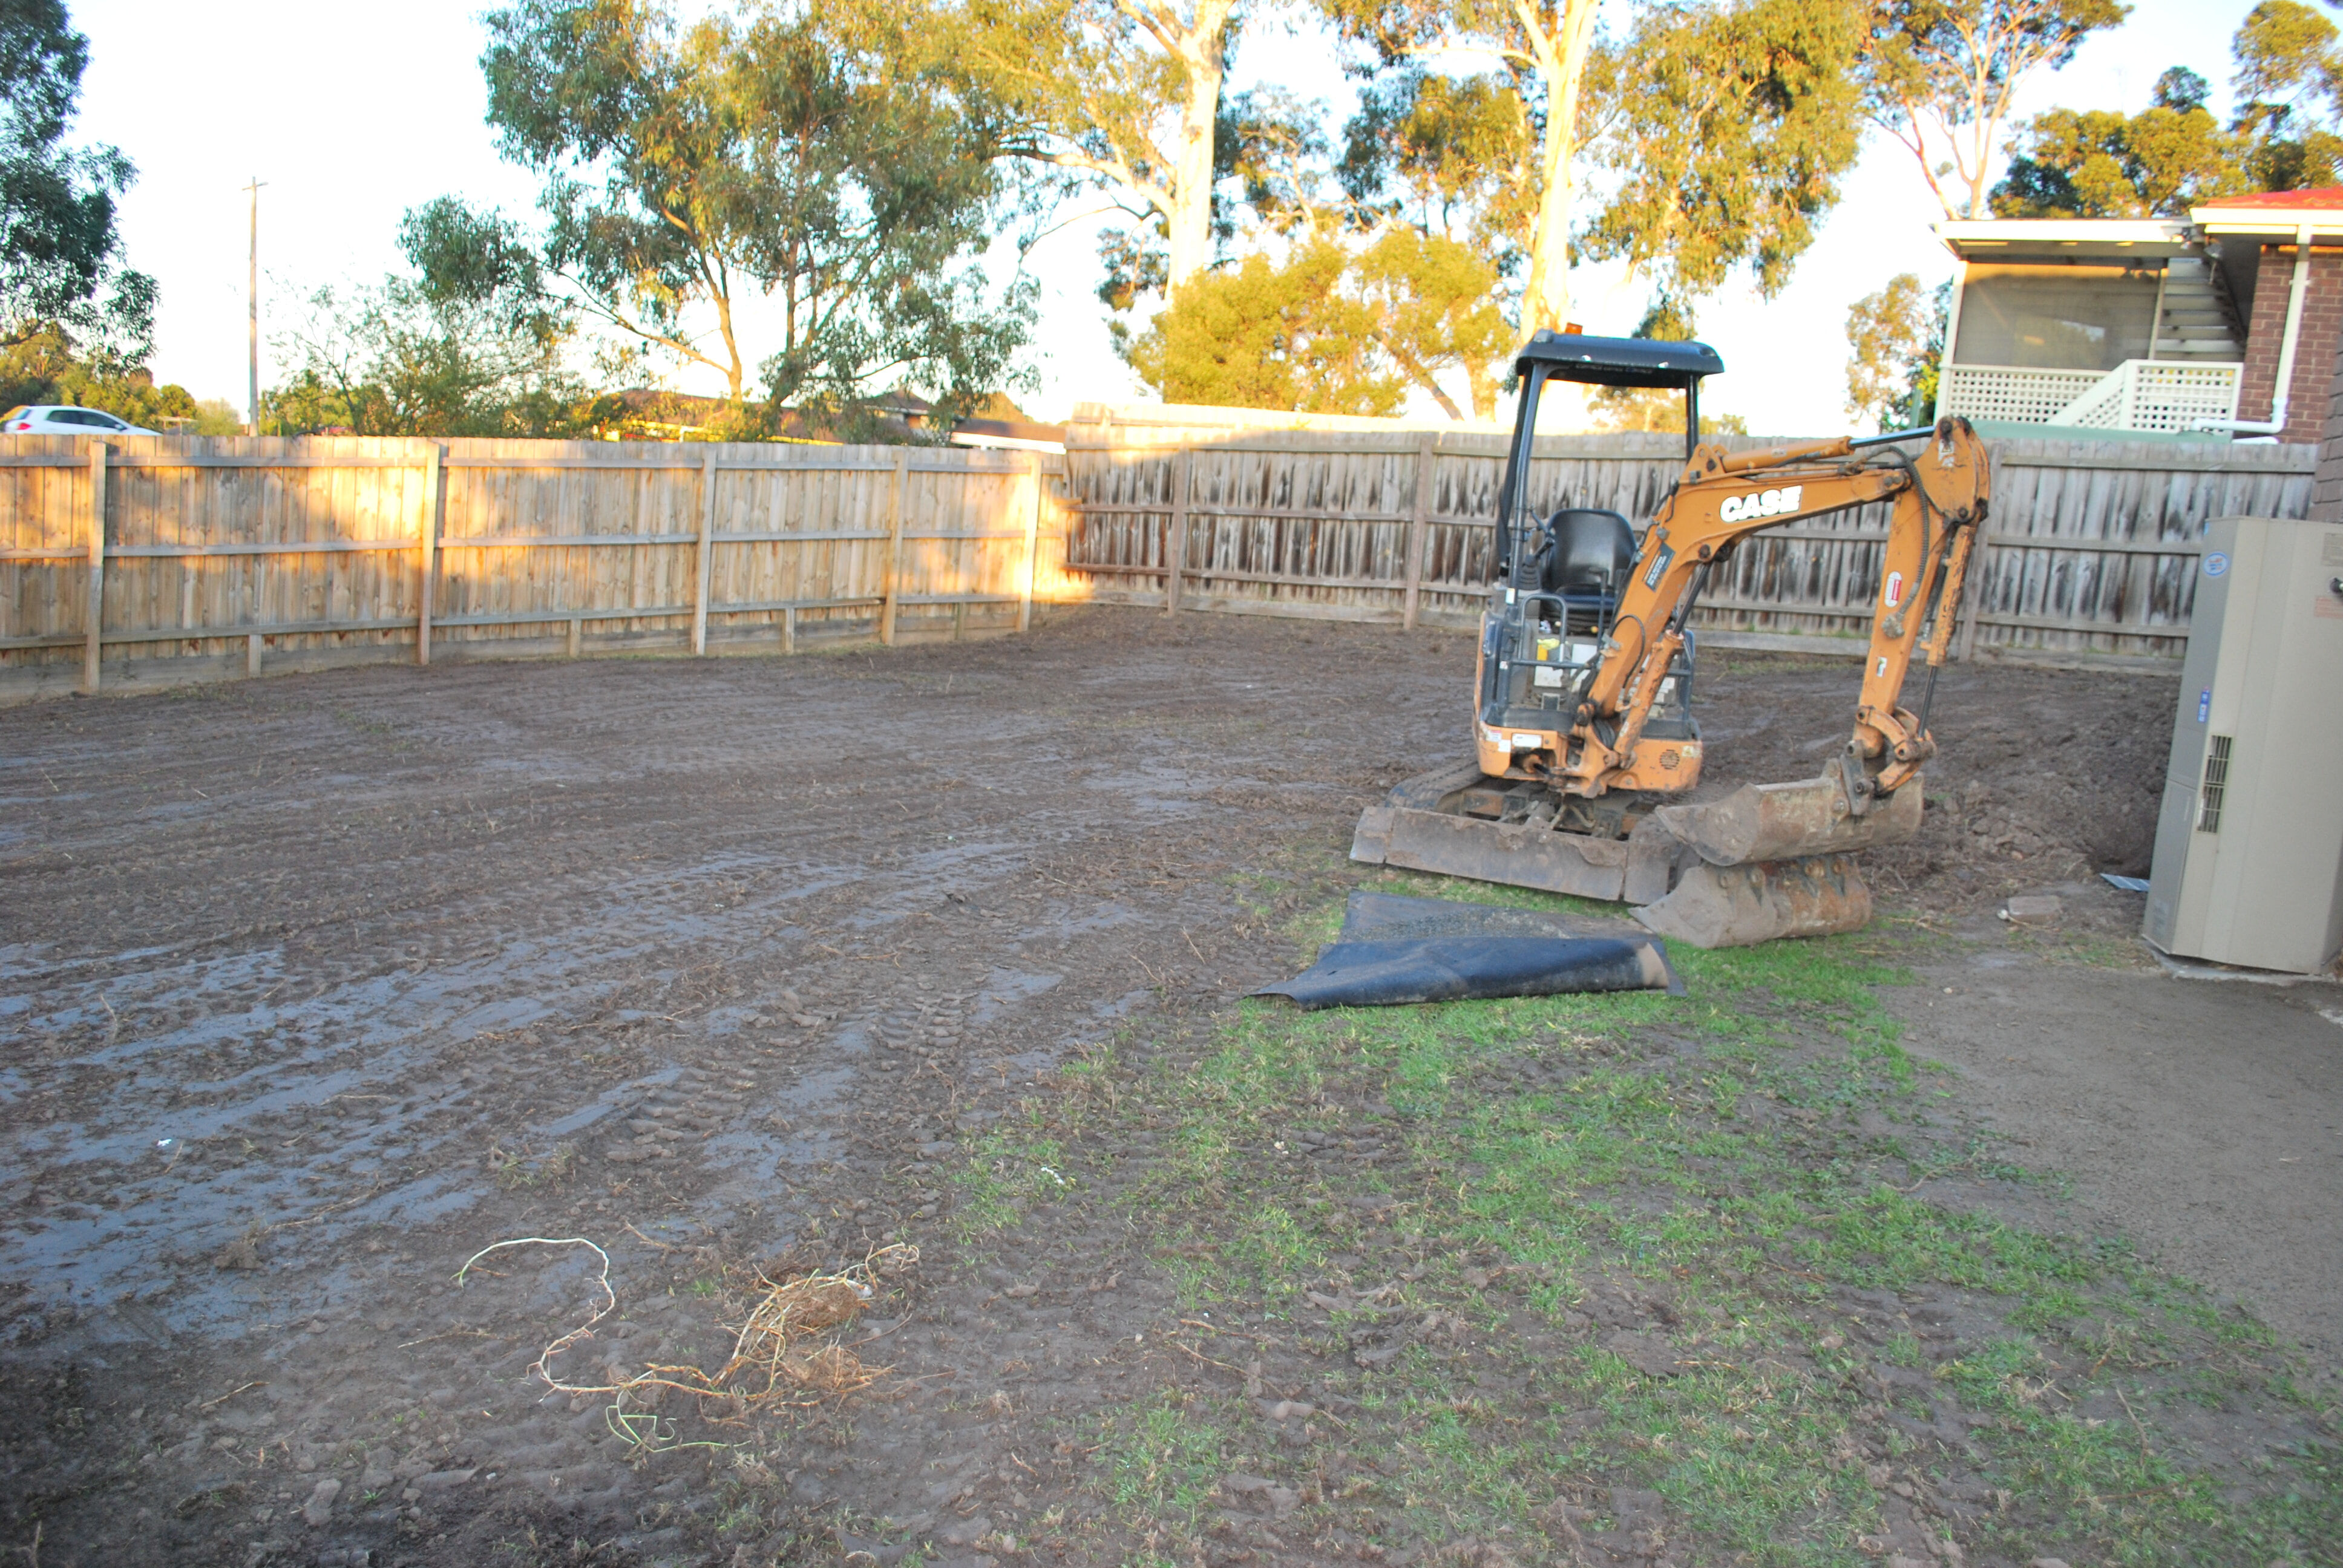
894,548
96,567
706,530
1032,536
1175,552
1417,529
435,512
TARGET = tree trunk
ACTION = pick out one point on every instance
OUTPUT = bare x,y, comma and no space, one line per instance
1561,63
1190,220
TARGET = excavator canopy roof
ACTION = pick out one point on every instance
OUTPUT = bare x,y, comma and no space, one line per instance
1618,361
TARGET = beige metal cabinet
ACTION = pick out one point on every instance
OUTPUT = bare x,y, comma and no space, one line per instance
2250,845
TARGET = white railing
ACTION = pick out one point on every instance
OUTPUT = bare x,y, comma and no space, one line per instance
2157,394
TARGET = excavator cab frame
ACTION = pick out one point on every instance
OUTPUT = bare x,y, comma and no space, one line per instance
1541,641
1646,363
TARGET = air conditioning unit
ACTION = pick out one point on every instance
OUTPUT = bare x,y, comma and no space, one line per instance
2249,845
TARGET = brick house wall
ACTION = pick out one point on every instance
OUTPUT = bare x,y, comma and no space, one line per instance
2326,489
2315,348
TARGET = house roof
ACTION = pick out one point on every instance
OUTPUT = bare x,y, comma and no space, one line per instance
2321,198
2111,238
2275,213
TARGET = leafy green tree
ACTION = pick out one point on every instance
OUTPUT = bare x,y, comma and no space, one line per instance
1125,95
216,416
1547,50
389,360
2100,163
821,156
470,344
1941,75
1713,131
60,255
1454,156
2171,155
1434,305
1334,330
1896,341
1263,336
43,364
1733,124
2289,85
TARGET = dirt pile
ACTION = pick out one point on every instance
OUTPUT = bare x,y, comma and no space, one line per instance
2040,777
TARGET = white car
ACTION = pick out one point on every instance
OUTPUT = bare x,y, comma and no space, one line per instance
60,419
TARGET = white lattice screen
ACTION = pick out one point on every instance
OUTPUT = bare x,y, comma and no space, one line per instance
2011,392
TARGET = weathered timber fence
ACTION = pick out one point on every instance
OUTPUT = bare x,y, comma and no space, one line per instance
2088,554
186,548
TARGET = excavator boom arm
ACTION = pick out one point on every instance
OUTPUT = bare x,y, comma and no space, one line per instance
1939,496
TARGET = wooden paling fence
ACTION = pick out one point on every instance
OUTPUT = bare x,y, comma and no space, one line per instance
190,548
2088,556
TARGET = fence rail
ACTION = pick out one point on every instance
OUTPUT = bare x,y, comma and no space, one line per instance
2088,554
390,546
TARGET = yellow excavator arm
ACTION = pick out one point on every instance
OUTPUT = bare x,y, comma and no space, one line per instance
1939,496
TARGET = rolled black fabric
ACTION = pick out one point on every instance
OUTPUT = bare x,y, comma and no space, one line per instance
1449,968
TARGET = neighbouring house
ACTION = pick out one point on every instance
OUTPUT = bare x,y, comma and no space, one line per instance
2222,326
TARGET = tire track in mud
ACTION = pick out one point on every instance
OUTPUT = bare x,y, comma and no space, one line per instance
403,963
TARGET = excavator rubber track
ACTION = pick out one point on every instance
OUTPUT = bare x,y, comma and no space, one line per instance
1767,861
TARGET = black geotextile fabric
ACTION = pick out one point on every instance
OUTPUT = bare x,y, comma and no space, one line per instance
1395,951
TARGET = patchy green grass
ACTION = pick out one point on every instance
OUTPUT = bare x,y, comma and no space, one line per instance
1161,1460
1537,1251
1008,1168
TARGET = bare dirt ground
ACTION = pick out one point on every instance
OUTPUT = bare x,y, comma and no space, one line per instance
315,986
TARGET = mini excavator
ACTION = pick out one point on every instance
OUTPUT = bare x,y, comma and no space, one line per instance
1587,773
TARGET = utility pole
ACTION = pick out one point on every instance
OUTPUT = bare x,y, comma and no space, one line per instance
252,305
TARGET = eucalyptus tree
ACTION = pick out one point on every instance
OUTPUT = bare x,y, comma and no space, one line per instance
820,157
1707,134
1941,75
1122,96
61,261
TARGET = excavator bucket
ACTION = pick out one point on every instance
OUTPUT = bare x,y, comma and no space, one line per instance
1767,862
1791,821
1741,906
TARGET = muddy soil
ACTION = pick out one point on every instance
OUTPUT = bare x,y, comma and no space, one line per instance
316,985
2202,1121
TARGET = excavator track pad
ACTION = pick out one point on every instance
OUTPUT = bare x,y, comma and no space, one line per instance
1767,861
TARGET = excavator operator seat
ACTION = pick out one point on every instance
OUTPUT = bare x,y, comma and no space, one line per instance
1590,554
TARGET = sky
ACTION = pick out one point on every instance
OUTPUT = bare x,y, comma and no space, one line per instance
350,117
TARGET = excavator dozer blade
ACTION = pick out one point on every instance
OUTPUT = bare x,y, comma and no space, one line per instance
1741,906
1765,822
1419,827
